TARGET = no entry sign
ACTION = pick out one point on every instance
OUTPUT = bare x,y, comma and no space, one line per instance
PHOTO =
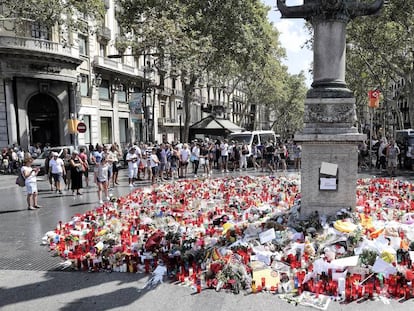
81,127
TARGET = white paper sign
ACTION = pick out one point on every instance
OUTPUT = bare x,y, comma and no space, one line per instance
328,184
267,236
346,261
381,266
329,168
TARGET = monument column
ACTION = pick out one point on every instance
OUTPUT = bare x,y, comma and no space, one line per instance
329,53
329,138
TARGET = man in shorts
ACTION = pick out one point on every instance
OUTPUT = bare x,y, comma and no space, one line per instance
57,170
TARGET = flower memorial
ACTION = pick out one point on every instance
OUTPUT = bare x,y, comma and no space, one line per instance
244,234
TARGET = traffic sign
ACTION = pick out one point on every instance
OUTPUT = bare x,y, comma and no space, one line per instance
81,127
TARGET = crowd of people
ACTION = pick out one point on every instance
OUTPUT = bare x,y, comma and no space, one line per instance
11,159
387,156
71,170
203,157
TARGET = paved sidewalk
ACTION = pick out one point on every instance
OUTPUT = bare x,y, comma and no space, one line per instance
77,291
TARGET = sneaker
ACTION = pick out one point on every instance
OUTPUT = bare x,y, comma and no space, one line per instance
100,202
60,191
227,171
131,185
108,198
31,208
222,171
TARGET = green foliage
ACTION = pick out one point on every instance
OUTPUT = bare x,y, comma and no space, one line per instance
50,13
230,40
383,52
368,257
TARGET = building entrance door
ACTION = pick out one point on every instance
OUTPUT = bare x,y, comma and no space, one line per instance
43,115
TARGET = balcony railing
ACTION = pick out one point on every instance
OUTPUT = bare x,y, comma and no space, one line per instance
177,93
38,45
104,33
168,122
113,65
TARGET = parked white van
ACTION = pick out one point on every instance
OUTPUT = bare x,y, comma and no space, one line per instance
257,137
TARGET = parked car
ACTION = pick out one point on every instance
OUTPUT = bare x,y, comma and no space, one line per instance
39,162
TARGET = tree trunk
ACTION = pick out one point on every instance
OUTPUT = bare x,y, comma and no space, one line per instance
188,98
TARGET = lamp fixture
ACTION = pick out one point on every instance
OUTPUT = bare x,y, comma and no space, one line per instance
98,80
117,85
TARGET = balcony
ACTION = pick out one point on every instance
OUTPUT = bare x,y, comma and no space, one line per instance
104,34
118,67
168,122
165,91
177,94
39,48
199,99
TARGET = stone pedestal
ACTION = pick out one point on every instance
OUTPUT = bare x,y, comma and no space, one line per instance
328,136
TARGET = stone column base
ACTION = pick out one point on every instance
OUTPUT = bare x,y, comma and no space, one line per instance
338,149
330,115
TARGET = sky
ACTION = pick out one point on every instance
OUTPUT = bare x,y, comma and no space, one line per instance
292,38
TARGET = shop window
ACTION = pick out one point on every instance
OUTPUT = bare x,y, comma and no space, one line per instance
106,130
102,50
39,31
122,94
123,131
104,90
83,45
84,85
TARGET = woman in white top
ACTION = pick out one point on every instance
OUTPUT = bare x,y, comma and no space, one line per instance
195,155
29,175
115,164
154,163
184,158
102,179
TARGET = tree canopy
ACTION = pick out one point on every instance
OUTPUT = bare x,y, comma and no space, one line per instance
50,13
381,53
230,40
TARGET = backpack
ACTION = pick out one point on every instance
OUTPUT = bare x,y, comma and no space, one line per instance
20,180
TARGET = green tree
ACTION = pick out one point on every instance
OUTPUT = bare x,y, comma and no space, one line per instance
385,46
69,14
288,107
196,37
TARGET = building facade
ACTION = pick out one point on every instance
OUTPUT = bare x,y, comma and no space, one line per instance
49,77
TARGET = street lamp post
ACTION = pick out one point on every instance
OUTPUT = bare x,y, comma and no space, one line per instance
180,112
